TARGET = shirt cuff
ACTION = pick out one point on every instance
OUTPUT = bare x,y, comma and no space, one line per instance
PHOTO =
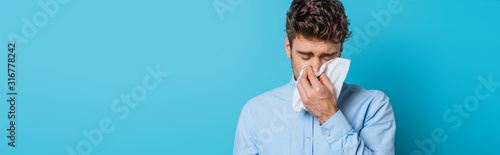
336,127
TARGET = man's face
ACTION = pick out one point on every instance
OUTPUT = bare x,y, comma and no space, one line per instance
313,52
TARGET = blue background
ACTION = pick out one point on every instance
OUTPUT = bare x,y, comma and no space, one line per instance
426,59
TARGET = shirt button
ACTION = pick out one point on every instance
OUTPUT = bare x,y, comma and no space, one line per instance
308,139
328,133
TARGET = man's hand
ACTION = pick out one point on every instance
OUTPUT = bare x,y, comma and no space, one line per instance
318,95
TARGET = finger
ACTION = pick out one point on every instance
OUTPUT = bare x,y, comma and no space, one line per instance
312,77
304,83
324,79
305,78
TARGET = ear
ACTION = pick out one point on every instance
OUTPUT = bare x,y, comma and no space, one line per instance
287,47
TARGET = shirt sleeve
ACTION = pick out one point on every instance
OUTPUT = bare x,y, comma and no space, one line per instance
376,136
245,140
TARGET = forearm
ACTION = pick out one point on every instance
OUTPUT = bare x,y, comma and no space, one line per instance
343,139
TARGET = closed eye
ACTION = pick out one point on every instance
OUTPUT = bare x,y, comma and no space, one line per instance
328,56
305,55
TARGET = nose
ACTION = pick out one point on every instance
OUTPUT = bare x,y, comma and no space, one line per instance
316,64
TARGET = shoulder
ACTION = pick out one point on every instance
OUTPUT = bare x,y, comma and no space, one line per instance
354,91
371,102
275,97
356,98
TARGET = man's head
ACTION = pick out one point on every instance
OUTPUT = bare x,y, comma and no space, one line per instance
316,30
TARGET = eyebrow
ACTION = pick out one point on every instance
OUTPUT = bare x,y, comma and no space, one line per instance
311,53
306,53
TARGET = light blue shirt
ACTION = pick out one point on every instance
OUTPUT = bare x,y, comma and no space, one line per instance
364,125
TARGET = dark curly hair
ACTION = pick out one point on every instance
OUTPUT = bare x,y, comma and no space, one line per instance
319,19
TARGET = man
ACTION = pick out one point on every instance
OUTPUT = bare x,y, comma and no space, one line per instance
360,122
